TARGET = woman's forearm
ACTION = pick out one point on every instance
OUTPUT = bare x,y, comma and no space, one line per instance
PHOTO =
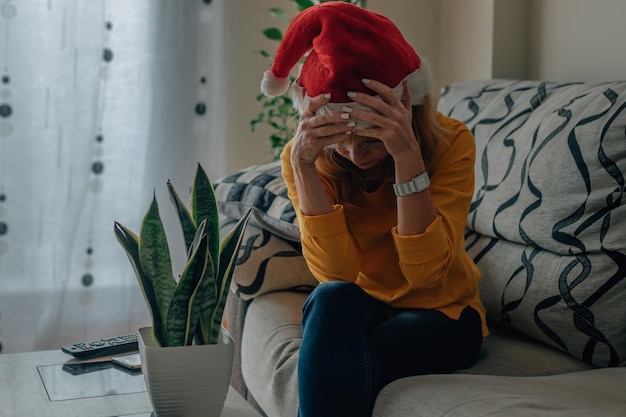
415,211
311,193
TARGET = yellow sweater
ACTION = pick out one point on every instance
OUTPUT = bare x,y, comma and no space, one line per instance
430,270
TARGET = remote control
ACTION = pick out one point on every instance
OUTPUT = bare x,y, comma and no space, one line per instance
103,347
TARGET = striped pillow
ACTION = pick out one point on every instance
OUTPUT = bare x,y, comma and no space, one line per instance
548,218
262,188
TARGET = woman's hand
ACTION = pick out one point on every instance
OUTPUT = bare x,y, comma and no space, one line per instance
315,132
392,124
391,120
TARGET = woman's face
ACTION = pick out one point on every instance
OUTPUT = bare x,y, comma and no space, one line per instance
365,153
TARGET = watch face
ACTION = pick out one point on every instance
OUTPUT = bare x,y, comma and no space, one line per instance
421,182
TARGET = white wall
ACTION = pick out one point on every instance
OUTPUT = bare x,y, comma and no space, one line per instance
463,40
573,40
482,39
246,19
510,39
418,20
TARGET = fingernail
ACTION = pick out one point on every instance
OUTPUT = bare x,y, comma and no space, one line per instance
347,109
345,116
349,132
351,123
327,95
366,80
351,94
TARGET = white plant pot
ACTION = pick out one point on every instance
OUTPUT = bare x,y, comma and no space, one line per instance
185,381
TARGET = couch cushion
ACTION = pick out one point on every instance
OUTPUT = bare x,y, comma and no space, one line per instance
597,392
508,352
262,188
271,339
267,263
550,161
548,217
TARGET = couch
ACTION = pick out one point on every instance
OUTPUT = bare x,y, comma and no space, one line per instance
547,229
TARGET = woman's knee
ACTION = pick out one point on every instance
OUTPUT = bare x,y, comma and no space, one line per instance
336,290
340,299
331,295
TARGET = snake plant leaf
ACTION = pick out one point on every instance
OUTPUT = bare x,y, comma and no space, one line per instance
154,258
204,207
205,302
229,251
130,243
186,221
194,332
182,319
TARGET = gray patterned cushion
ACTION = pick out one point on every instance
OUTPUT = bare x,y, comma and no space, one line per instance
260,187
270,257
267,263
548,219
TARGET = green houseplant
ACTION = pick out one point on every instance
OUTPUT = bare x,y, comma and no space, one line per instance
278,112
187,370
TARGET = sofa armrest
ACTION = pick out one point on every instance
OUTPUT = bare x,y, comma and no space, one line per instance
266,263
234,315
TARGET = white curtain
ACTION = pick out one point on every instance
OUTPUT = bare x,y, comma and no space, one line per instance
101,102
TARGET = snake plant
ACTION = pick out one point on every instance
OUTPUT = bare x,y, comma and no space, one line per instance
187,310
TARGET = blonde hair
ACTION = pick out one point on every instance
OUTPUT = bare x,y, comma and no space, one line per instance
344,177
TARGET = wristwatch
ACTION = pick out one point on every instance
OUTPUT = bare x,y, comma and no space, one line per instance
416,185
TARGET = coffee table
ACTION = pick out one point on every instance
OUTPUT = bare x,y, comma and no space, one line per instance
50,384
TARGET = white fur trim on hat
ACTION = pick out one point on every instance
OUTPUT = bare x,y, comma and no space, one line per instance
273,86
419,83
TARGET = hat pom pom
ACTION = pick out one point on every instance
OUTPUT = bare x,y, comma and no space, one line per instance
273,86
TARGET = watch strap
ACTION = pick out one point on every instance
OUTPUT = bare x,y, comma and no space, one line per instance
416,185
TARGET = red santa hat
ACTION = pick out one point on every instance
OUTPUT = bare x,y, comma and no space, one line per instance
345,44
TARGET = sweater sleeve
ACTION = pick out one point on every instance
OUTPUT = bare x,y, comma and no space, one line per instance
425,259
327,245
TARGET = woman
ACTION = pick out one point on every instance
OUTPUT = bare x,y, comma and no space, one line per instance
381,184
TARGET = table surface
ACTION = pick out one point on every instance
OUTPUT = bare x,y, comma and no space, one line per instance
23,392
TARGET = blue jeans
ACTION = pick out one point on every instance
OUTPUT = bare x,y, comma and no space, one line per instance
353,345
